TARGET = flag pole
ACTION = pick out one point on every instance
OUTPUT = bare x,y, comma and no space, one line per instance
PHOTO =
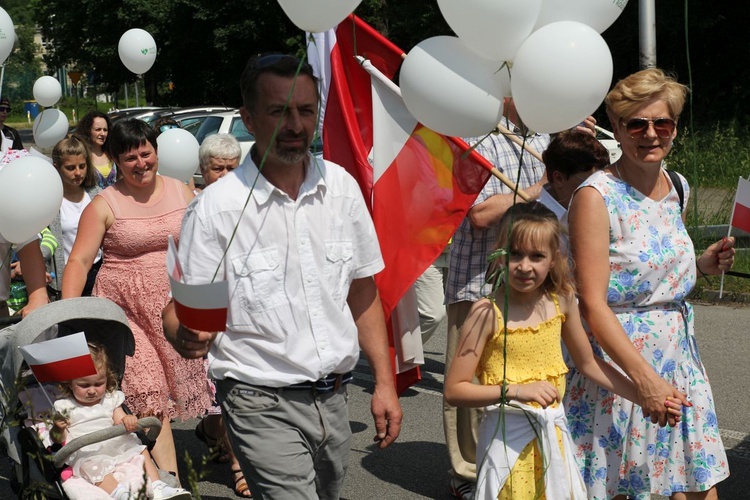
729,233
373,71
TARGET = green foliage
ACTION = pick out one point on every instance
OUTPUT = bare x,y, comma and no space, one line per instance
714,155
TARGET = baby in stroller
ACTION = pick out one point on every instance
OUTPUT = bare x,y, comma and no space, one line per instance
26,406
93,403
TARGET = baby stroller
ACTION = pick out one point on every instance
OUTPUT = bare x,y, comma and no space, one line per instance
25,411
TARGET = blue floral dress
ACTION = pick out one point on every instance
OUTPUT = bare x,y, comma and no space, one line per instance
652,269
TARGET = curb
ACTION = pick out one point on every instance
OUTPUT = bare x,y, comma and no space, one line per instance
728,298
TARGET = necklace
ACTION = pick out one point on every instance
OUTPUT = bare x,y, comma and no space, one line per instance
658,182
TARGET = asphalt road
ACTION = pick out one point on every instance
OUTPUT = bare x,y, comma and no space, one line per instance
415,467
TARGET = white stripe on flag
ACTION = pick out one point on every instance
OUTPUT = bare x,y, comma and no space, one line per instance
209,296
392,123
743,192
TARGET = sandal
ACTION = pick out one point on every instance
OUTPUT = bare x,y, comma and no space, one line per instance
241,489
215,444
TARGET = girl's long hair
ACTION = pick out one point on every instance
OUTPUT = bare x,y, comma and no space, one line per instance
73,146
534,225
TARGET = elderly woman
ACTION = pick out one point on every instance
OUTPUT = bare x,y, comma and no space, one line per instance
219,154
635,266
131,220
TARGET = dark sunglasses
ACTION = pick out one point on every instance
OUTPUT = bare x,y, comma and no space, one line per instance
168,126
5,109
664,127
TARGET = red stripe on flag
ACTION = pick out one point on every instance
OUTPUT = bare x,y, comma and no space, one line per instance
205,320
66,369
417,204
741,217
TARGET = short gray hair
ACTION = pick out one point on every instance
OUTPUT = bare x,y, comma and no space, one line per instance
218,146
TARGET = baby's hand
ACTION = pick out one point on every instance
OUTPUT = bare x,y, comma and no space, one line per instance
130,422
541,392
60,422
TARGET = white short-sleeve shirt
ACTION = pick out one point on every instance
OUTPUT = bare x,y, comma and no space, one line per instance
290,266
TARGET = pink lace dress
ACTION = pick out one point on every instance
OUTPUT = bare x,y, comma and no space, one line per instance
157,380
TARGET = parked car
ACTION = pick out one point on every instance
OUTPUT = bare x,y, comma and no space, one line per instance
119,114
187,115
228,122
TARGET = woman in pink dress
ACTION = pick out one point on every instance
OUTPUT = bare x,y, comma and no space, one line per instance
131,220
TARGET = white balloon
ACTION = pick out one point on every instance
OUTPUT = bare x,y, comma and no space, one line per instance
50,127
452,90
47,91
30,196
178,154
7,35
317,16
599,14
137,50
494,29
560,76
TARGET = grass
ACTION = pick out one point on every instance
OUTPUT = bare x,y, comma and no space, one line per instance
712,158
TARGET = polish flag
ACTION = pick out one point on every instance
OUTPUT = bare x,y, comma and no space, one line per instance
198,307
60,359
417,183
741,211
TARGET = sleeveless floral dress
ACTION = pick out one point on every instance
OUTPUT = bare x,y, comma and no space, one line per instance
652,270
157,380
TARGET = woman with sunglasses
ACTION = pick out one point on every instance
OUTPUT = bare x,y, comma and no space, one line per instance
635,265
94,129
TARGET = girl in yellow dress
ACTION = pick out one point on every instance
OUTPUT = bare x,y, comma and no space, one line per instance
523,448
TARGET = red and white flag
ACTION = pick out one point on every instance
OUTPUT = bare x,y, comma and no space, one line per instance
419,184
198,307
741,210
60,359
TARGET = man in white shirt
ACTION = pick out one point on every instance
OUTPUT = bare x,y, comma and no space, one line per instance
303,299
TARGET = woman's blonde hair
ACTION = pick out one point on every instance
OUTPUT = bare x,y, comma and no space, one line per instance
101,361
633,91
533,224
73,146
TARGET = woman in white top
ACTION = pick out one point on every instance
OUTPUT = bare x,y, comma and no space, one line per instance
72,160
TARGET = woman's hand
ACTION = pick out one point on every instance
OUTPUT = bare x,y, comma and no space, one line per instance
653,397
541,392
717,258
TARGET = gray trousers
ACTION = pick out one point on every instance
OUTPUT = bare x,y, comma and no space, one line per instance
291,444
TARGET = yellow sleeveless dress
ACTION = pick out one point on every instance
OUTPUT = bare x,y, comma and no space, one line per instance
532,353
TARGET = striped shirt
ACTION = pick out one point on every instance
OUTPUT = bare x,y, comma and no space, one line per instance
471,246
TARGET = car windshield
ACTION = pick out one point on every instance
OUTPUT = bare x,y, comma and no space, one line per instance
239,131
208,127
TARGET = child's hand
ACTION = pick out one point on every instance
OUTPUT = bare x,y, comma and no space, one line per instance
60,422
130,422
541,392
59,429
674,411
